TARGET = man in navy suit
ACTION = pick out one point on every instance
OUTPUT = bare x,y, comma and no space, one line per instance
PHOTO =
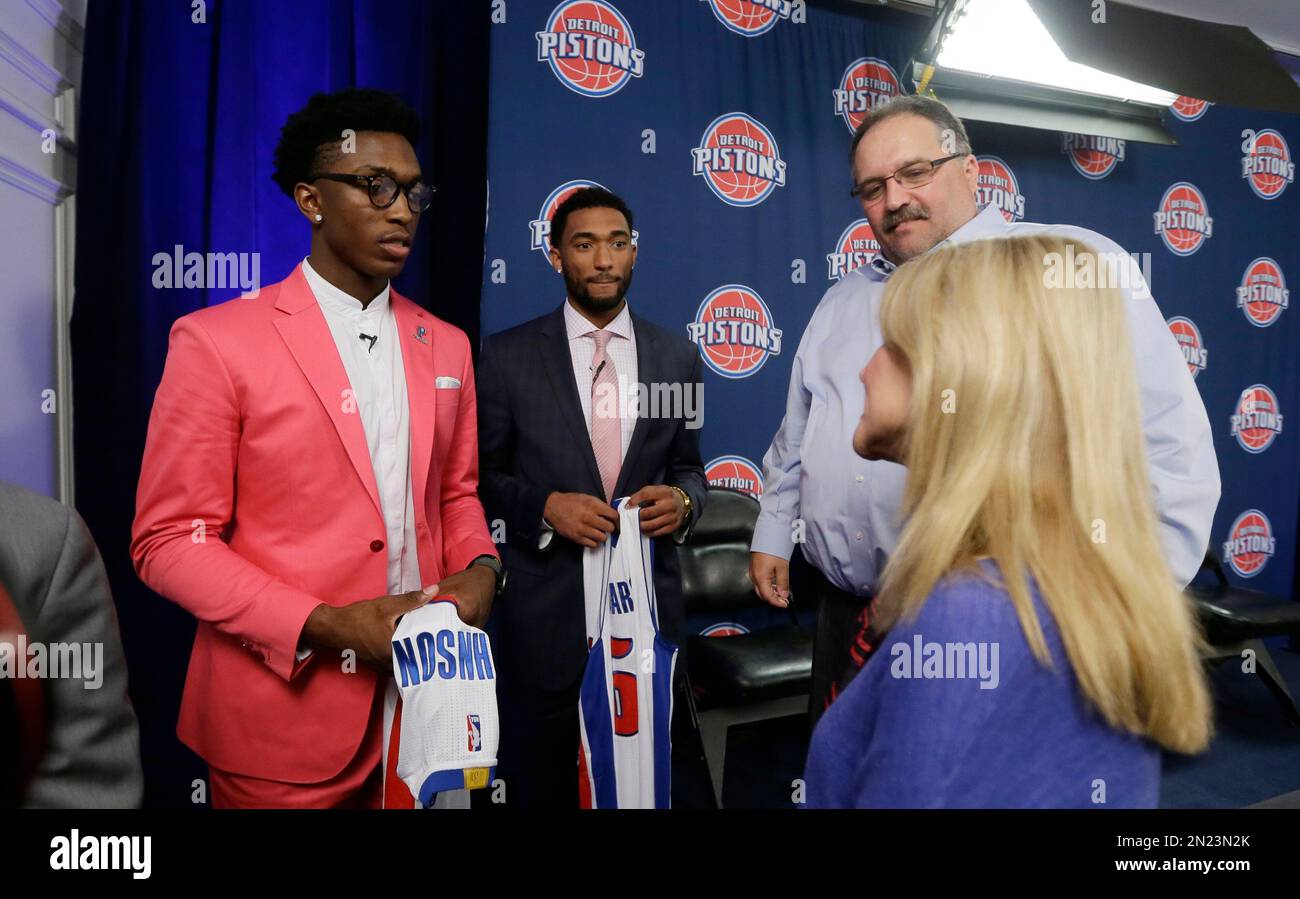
561,434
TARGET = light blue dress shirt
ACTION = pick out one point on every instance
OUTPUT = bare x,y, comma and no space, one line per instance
849,508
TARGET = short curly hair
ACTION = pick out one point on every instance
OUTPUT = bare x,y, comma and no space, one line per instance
586,198
319,125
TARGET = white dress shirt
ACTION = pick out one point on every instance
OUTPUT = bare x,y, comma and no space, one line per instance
621,351
378,380
850,507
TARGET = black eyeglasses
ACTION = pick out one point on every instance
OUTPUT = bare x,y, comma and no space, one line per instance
383,189
915,174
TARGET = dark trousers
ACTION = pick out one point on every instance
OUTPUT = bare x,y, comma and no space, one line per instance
538,755
841,645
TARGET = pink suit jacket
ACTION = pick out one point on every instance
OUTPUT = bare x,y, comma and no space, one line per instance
257,502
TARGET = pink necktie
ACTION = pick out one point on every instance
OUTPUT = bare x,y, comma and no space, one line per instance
606,429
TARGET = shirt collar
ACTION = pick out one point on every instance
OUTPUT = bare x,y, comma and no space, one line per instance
988,222
575,325
336,300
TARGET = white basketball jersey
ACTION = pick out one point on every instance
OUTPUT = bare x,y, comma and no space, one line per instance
443,702
626,702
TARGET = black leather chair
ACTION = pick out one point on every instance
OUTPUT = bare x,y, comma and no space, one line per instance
745,677
1236,620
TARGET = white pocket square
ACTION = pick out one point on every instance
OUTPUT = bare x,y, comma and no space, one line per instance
444,381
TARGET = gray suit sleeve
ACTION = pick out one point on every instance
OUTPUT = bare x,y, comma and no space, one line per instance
92,757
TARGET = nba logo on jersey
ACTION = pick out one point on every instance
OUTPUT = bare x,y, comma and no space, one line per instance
625,705
475,733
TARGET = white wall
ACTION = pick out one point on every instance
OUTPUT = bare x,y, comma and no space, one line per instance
40,72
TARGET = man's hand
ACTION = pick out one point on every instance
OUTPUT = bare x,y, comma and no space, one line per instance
474,589
771,577
662,510
585,520
365,627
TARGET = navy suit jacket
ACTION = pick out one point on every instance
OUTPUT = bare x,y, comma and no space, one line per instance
533,440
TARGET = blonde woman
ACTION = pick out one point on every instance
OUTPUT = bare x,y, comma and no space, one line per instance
1037,651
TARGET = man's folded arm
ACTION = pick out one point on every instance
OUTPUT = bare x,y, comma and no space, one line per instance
185,501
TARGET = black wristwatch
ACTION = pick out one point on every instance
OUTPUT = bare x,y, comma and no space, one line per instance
495,564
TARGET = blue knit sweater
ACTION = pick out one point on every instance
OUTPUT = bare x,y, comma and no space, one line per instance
997,729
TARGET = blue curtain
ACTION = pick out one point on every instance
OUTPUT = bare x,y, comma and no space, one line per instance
179,120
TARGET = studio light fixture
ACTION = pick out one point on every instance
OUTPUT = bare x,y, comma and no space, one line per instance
1005,39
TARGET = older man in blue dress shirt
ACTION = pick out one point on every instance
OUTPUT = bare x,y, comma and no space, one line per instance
916,179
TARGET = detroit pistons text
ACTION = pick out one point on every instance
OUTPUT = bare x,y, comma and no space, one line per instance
727,326
589,39
866,94
1184,215
740,153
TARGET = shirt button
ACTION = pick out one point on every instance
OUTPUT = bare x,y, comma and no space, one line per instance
858,535
858,479
376,545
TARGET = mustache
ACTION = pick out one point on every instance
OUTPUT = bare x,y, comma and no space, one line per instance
906,214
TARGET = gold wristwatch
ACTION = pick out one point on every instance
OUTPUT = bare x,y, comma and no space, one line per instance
686,501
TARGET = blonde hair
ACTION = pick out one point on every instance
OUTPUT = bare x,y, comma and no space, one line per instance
1036,459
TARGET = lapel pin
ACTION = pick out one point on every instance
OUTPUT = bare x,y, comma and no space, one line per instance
420,332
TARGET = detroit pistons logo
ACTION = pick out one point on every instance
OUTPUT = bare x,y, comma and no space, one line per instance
1189,341
724,629
865,84
733,328
1189,109
739,160
751,17
590,48
1183,219
1266,162
856,247
1257,420
735,473
1250,543
997,185
1093,157
1263,294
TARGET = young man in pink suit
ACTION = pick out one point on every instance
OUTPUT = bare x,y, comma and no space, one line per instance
310,475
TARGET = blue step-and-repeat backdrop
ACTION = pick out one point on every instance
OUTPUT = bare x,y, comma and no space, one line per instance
725,124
